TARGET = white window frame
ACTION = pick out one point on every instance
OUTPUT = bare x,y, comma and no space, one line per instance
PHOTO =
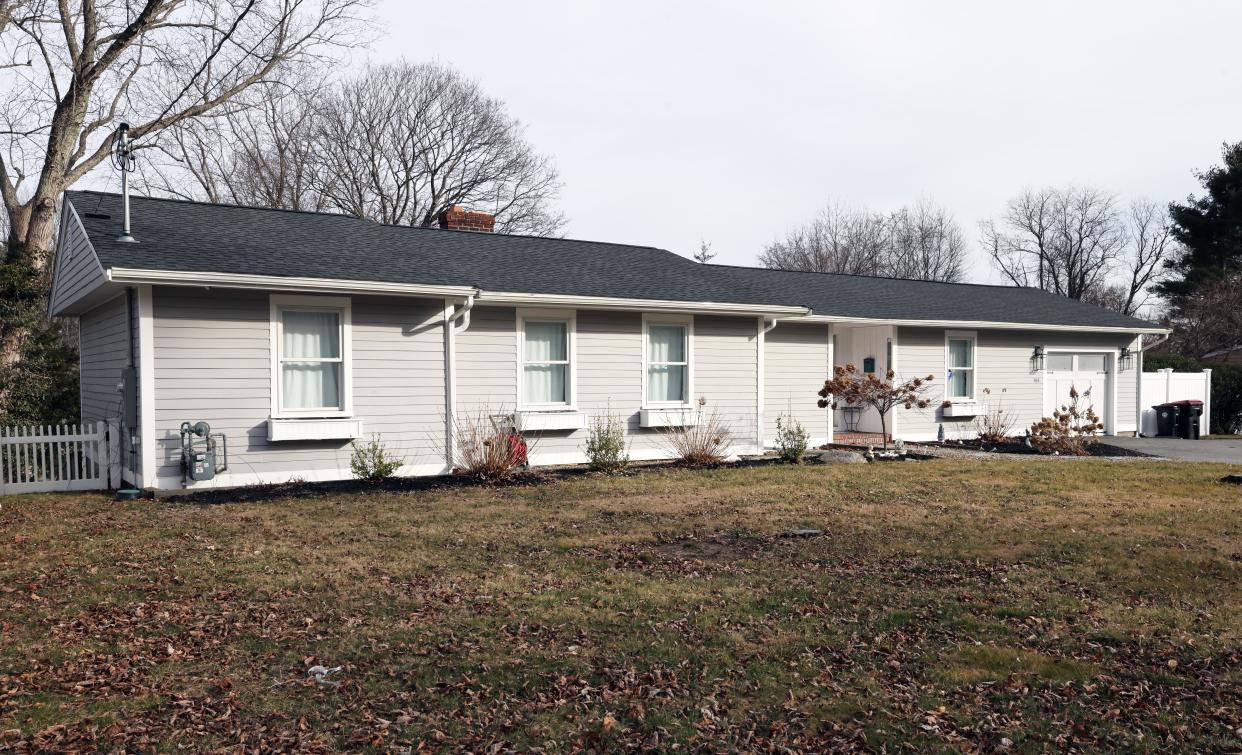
687,322
343,306
570,318
962,335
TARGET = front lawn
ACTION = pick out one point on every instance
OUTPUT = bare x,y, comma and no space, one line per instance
948,605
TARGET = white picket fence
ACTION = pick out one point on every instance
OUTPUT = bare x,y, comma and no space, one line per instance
59,458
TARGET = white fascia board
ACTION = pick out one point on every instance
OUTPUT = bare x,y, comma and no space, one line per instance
282,283
646,305
980,324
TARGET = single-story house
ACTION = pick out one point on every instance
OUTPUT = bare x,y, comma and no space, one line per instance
294,333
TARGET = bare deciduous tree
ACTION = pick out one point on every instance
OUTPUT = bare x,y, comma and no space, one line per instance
1077,242
927,244
1061,240
922,242
259,152
705,253
154,63
404,142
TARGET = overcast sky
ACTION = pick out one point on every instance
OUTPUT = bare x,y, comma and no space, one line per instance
733,121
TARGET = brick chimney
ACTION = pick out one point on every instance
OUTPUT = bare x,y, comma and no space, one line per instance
457,219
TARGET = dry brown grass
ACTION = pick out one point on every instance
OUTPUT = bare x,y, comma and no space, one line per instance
1076,605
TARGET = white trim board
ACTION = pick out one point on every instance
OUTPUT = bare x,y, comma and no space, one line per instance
146,386
281,283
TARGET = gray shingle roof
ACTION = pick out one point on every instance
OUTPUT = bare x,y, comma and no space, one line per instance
201,237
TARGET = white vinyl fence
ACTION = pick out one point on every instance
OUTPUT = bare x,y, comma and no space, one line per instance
1165,385
59,458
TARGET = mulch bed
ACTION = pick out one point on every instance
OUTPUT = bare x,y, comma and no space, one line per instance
1019,447
526,478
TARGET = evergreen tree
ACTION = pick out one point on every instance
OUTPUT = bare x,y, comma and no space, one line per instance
1210,228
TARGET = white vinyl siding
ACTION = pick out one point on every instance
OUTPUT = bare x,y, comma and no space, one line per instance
104,353
78,270
795,366
214,363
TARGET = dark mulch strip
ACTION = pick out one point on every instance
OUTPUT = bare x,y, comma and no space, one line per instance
528,478
1019,447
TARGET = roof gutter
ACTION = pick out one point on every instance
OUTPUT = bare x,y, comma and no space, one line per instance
981,324
282,283
646,305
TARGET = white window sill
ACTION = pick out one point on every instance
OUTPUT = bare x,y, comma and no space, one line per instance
670,417
343,428
962,408
549,419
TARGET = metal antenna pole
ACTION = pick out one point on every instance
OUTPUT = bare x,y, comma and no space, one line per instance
124,162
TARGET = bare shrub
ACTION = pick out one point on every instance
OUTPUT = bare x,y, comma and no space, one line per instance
704,442
486,446
1070,430
791,439
372,461
995,424
605,444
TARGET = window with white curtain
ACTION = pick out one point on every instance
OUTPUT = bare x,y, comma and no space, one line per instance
547,353
311,356
668,363
960,366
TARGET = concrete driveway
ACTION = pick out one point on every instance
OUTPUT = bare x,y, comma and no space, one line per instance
1228,451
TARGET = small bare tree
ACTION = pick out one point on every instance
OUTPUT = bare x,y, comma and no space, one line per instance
705,253
922,242
404,142
858,388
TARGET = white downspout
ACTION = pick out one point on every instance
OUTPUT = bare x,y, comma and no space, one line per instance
766,325
464,314
1138,388
451,328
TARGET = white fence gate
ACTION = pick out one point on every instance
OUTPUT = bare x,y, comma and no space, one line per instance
1163,386
59,458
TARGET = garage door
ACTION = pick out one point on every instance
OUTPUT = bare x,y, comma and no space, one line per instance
1086,371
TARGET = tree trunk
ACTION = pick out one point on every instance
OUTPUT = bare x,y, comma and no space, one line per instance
28,259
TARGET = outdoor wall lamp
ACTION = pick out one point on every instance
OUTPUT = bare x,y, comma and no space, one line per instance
1126,359
1037,359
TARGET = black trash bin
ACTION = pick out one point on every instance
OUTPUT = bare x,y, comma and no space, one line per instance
1166,419
1189,412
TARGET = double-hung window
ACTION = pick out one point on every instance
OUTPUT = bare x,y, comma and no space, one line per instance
960,365
311,369
547,349
668,354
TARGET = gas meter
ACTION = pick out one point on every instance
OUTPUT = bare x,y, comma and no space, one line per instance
203,454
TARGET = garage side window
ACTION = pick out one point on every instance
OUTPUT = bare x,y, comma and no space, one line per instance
960,366
311,357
